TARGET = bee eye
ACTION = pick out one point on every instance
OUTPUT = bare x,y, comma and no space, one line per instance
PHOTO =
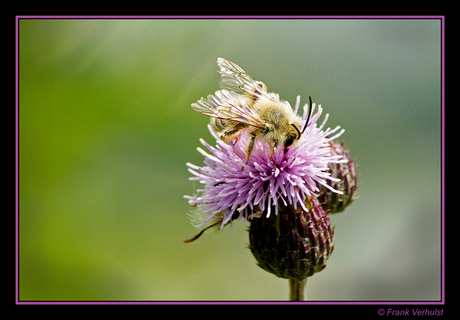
289,141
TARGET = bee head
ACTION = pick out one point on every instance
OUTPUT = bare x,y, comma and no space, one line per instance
292,136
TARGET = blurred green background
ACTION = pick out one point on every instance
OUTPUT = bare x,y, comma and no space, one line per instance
106,127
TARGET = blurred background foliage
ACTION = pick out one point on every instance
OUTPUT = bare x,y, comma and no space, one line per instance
106,127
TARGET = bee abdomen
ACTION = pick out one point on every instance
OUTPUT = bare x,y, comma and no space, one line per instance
219,124
225,128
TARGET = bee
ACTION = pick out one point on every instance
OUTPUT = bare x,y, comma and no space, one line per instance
245,103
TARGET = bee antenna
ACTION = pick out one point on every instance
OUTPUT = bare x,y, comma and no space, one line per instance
308,117
296,129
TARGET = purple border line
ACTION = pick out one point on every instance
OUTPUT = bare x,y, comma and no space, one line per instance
377,303
443,159
17,160
185,302
231,17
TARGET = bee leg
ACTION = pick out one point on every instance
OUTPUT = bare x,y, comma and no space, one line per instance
251,146
199,234
275,145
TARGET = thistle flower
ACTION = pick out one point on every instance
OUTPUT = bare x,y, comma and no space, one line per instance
236,188
285,192
294,244
333,202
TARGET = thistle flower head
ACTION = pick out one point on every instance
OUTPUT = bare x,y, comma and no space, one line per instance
347,182
295,244
235,187
283,172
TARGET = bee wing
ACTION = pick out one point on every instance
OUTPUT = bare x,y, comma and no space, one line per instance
236,79
226,105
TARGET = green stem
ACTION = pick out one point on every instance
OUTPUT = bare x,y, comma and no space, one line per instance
297,289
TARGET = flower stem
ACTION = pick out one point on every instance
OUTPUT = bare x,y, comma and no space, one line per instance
297,289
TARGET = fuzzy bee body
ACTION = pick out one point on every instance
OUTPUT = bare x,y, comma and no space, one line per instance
245,103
